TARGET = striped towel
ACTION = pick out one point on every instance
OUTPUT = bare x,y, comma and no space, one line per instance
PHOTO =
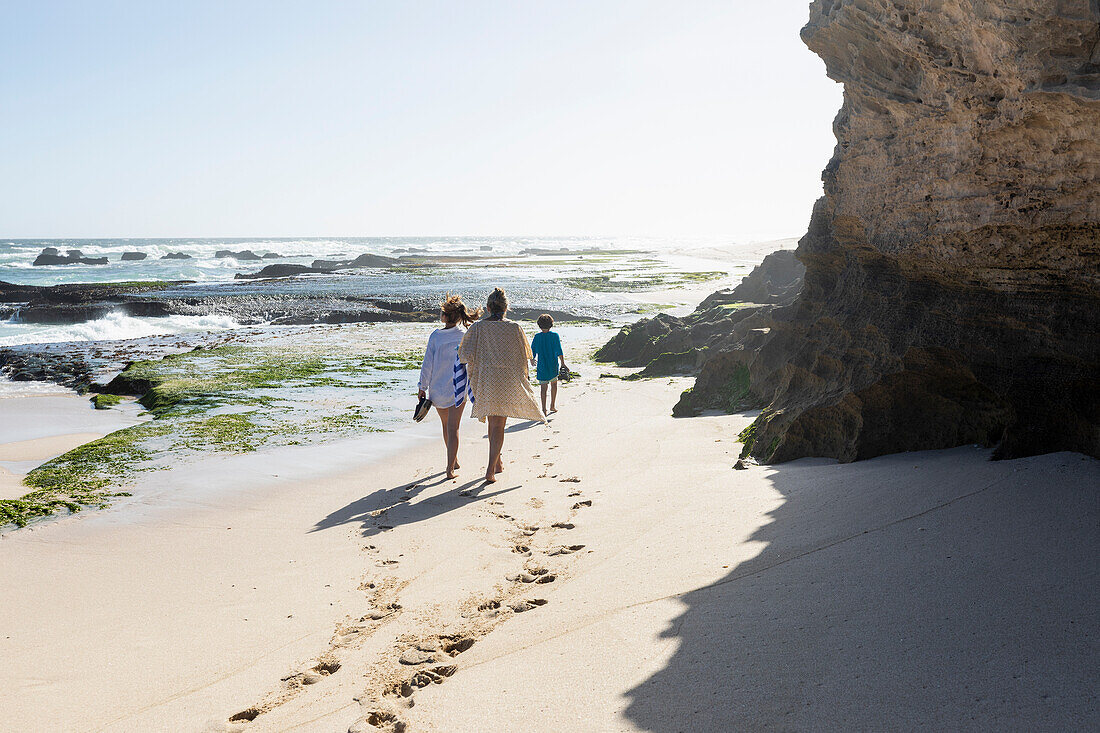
462,383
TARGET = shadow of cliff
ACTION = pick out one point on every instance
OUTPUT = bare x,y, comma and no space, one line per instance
385,509
929,591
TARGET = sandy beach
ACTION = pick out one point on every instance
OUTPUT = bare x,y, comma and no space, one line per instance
620,576
36,427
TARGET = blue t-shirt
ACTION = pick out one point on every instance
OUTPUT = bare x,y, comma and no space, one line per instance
546,346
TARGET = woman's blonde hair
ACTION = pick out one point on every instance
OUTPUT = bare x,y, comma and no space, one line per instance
454,310
497,302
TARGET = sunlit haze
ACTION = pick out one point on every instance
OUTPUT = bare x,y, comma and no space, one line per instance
138,119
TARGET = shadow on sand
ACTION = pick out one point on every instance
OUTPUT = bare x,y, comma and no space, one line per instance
385,509
900,594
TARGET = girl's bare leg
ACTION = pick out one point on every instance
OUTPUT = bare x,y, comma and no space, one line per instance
454,420
496,444
445,418
553,397
543,387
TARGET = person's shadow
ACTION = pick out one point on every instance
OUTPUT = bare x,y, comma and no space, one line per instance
385,509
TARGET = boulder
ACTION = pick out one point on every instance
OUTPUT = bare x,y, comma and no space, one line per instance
363,260
275,271
133,256
176,256
245,255
50,256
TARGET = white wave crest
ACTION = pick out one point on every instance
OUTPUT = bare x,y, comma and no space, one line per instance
113,327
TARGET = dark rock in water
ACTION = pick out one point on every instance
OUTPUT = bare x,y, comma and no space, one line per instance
272,256
245,255
75,303
50,256
176,256
485,248
356,316
318,266
363,260
951,294
135,256
21,364
275,271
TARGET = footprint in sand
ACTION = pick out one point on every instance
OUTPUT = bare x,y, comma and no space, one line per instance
383,563
381,613
563,525
527,605
535,575
522,550
315,674
377,720
570,480
581,504
574,493
566,550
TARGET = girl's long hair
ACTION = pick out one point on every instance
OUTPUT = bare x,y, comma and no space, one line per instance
455,311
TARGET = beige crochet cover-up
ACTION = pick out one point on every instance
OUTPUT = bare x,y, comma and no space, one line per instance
496,355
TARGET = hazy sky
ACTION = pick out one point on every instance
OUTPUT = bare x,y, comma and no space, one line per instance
380,117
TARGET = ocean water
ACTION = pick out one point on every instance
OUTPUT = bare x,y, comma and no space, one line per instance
533,270
17,255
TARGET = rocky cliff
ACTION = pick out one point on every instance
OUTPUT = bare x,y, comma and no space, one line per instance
952,291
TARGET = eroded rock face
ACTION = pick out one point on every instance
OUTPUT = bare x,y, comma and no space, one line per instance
953,267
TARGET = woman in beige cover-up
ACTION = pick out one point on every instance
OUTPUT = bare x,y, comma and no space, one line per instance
496,353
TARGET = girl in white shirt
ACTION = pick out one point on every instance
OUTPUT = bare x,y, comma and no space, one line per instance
442,378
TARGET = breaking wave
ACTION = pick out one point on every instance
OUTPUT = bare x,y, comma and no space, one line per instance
113,327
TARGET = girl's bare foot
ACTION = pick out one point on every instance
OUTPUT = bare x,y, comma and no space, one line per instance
490,478
500,466
552,410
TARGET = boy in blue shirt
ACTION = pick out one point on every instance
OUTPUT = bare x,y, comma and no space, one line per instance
546,347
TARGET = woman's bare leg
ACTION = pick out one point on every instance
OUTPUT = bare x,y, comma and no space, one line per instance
496,444
454,420
445,418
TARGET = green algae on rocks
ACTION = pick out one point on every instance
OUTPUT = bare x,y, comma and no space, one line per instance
617,282
234,398
105,401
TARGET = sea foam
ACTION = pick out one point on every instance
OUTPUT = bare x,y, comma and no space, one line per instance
112,327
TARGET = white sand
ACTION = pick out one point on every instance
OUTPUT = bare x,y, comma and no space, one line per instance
37,427
936,590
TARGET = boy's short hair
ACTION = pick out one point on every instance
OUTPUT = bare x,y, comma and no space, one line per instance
545,321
